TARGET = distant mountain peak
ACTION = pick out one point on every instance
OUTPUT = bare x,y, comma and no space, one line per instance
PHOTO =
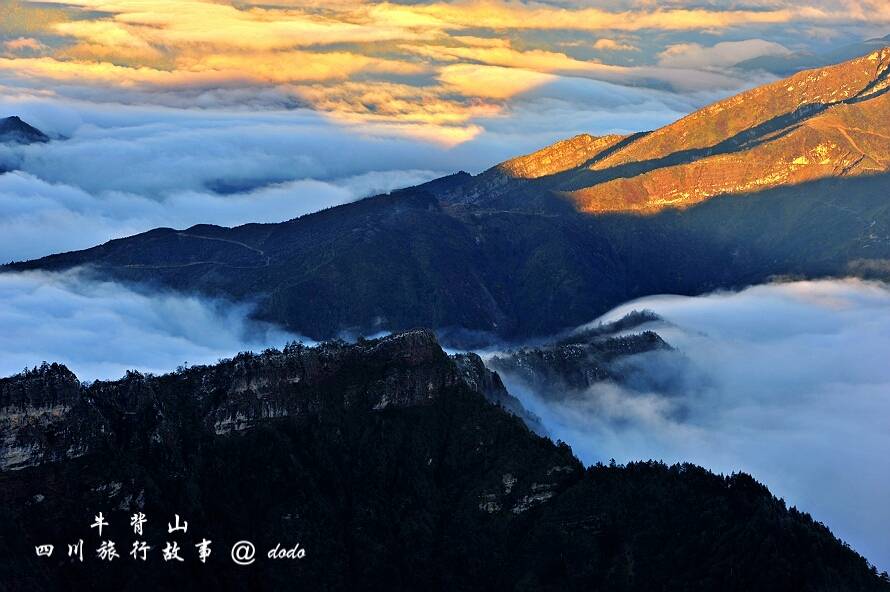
14,130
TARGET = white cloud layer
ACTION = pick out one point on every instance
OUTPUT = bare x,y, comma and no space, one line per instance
101,329
788,382
127,169
720,55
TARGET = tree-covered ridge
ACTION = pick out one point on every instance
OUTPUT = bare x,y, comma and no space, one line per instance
392,466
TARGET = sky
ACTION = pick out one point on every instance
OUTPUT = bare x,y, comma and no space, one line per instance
178,112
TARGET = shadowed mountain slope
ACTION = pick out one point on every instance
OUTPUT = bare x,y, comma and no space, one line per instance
404,260
785,180
389,467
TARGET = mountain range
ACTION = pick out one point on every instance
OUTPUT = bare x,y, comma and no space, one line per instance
398,466
393,465
784,180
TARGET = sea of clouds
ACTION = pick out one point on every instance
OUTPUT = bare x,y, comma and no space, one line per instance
115,169
100,329
788,382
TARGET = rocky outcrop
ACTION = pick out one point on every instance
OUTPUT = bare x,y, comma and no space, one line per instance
559,157
473,372
34,410
583,358
47,415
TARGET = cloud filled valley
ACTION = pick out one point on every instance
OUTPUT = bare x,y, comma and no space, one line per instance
788,382
101,329
784,381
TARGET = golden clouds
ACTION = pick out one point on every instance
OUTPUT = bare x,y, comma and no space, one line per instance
156,33
492,82
204,70
606,44
174,23
518,15
21,18
107,40
428,64
281,67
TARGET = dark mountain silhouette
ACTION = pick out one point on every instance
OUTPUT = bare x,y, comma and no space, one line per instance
388,462
14,130
581,359
408,259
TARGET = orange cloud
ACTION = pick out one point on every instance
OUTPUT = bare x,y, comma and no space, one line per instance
605,44
442,63
517,15
24,44
492,82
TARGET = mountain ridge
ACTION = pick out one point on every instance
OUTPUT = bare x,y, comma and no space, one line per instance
495,256
825,125
817,123
389,468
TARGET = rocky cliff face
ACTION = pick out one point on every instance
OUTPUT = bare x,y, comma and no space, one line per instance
47,415
33,408
582,359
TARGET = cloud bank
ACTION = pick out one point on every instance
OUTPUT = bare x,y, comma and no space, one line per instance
788,382
415,63
101,329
